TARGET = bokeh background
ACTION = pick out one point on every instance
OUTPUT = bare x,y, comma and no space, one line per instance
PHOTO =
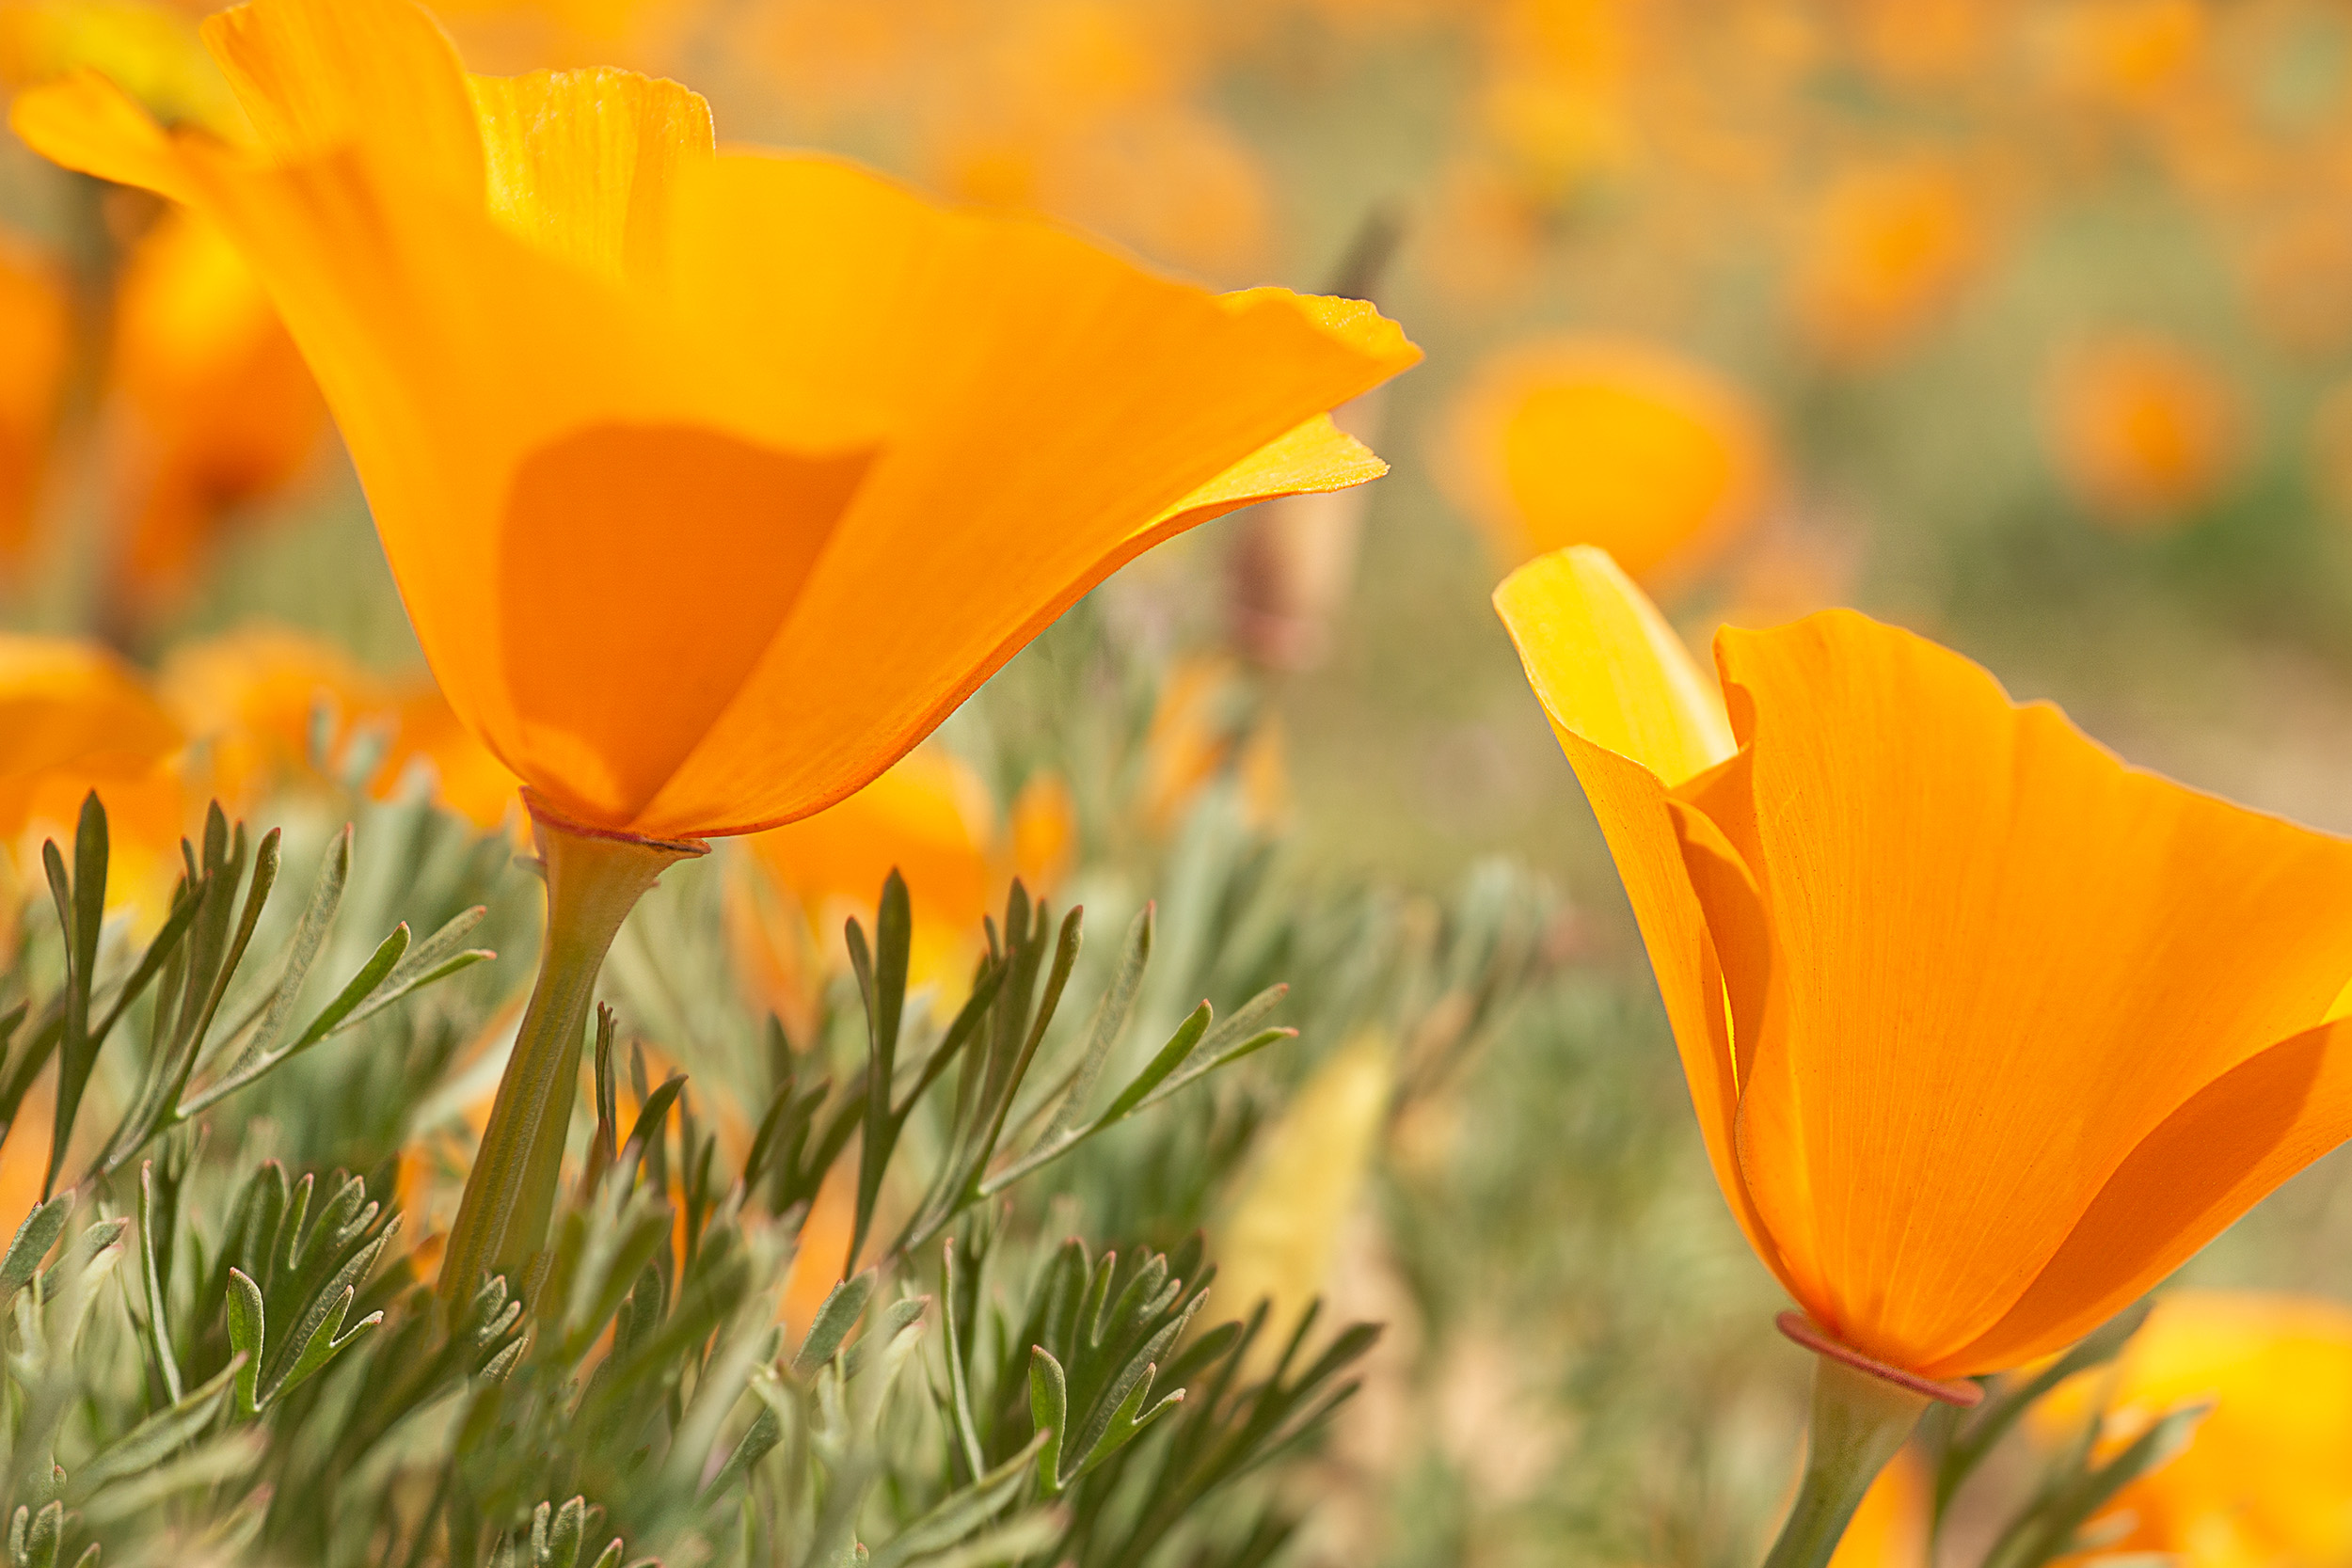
2026,324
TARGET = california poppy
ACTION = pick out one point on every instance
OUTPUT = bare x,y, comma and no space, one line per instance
2131,53
214,406
1883,251
73,718
1606,441
2267,1475
1986,1031
1210,722
712,482
2143,430
255,698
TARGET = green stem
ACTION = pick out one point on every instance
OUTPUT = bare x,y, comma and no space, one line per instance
1859,1421
594,879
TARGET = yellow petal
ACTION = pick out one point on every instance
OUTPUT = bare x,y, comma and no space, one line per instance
1608,668
1633,713
318,76
580,161
89,125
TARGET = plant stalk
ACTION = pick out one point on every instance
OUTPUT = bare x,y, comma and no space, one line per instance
594,877
1862,1414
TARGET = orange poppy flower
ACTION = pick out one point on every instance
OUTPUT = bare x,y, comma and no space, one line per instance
2268,1477
603,390
1885,249
1987,1032
1208,722
1083,108
2143,432
253,697
2131,53
74,718
36,339
217,408
712,482
1609,442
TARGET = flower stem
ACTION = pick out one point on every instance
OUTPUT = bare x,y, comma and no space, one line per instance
1863,1411
1859,1421
594,878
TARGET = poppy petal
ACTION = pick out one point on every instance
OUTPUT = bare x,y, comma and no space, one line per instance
580,161
1632,712
1043,409
316,76
2007,959
88,124
2216,1157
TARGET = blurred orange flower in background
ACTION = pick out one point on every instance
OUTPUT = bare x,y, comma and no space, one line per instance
1610,442
2128,53
1083,108
1883,252
1926,41
74,718
35,340
1555,105
562,397
1210,720
263,699
217,407
2001,1030
2142,431
1096,111
931,817
2268,1475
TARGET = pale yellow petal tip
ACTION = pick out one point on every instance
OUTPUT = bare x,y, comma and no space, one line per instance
1309,458
1608,668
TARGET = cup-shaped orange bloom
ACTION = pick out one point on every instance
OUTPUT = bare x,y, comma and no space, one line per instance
216,406
1986,1031
712,482
1610,442
2142,431
2268,1477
